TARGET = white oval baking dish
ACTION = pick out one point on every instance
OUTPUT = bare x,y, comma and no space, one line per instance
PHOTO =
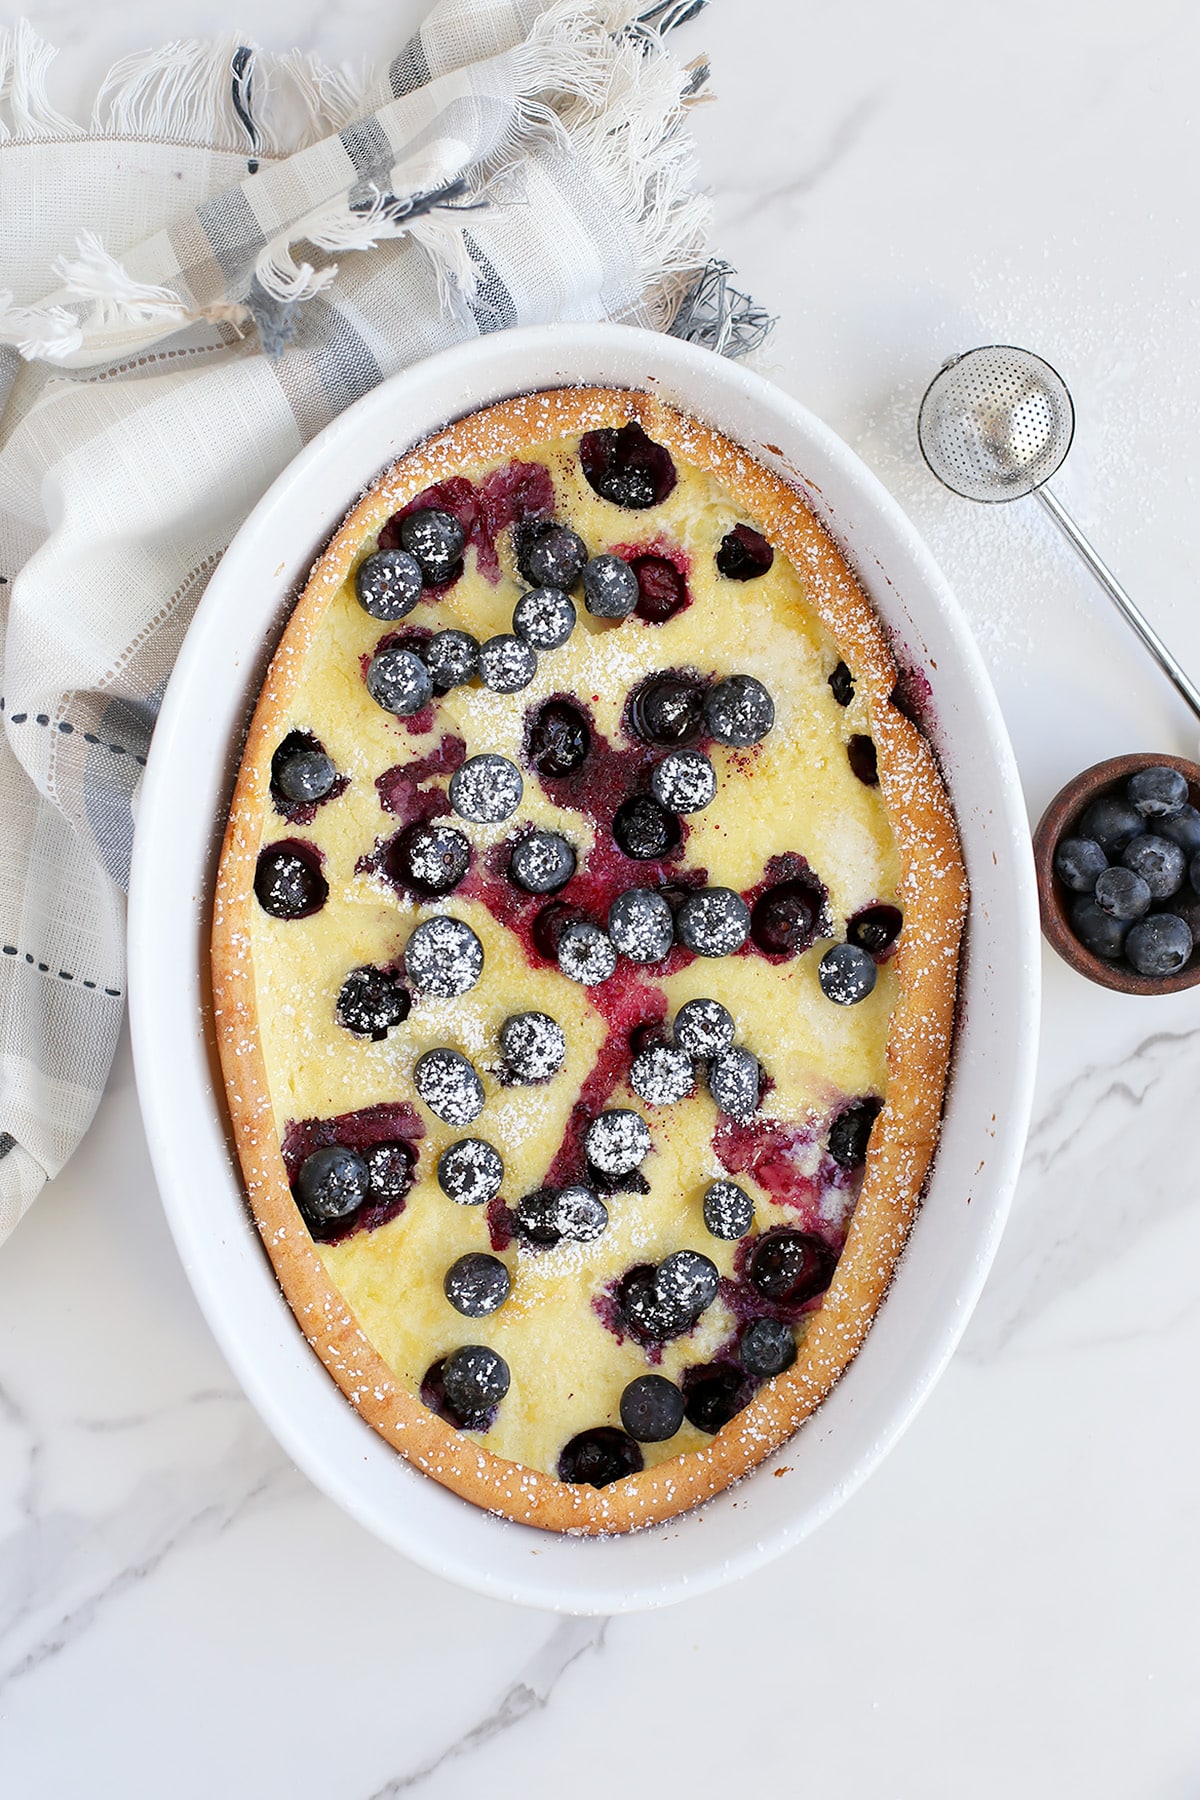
195,751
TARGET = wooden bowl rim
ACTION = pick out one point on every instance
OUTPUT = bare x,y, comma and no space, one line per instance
1065,807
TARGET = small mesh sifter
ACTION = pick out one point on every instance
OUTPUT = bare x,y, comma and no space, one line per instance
995,424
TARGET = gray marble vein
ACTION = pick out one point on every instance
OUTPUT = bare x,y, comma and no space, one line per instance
843,138
21,1425
62,1568
529,1693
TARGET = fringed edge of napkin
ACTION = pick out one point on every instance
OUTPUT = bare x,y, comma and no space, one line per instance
221,94
593,72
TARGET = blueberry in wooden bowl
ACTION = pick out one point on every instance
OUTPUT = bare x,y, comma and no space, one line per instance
1117,855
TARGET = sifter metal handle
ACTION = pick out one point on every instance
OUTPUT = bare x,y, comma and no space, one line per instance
1120,599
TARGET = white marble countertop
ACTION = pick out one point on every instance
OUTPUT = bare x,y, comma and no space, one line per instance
1011,1600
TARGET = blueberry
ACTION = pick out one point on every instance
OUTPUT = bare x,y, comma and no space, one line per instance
744,553
1186,906
391,1169
535,1218
431,858
785,919
436,539
847,974
598,1457
714,922
850,1133
651,1409
443,958
1160,863
610,588
541,863
304,777
477,1284
667,709
534,1046
653,1308
475,1378
371,1001
580,1214
559,739
399,682
449,1086
641,925
1183,829
625,466
388,584
662,1075
1157,793
1111,822
715,1393
662,589
434,1396
633,488
686,1284
288,883
703,1028
768,1347
735,1082
841,684
585,954
331,1183
739,711
1159,945
303,774
507,664
1077,863
551,555
647,1033
544,617
470,1172
863,759
728,1210
548,927
486,789
617,1141
452,658
874,928
684,782
644,830
552,1214
1096,931
639,1311
1122,894
790,1267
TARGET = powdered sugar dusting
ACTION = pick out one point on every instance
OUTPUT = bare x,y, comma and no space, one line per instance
929,890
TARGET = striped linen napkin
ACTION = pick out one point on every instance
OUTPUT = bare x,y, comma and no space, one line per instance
235,248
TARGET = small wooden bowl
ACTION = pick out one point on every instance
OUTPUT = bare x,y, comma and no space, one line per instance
1057,822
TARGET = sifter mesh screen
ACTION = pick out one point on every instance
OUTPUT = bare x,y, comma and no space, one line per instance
995,423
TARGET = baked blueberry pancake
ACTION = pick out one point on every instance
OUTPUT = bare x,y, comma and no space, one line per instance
584,954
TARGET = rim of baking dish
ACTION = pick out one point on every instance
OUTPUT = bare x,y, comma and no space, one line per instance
201,725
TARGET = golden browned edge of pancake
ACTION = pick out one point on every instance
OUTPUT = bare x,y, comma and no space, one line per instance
932,894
